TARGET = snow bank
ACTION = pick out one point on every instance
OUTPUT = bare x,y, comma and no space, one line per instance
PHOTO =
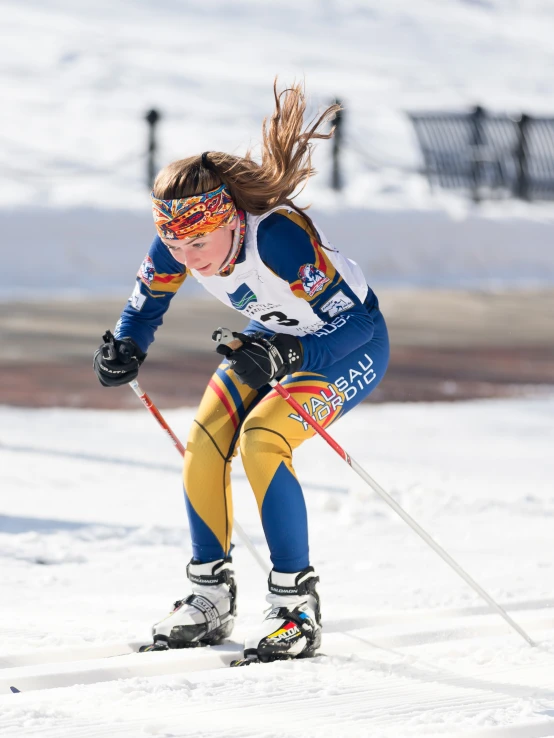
87,250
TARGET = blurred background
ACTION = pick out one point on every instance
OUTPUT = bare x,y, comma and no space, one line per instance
439,183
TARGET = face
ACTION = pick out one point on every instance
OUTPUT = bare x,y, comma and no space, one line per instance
206,254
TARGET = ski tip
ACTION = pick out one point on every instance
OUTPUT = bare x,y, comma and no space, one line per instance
159,646
15,690
244,662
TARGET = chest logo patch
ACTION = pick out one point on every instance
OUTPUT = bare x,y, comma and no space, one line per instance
313,279
337,304
242,297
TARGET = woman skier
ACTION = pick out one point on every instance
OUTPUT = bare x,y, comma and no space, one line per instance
314,324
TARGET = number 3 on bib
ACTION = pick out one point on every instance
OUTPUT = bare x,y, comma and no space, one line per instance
281,318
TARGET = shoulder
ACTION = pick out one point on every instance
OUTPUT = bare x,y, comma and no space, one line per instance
160,271
284,224
285,242
162,258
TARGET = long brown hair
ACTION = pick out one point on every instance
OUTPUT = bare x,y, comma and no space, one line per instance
286,161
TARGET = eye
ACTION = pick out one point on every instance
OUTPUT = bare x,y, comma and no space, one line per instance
197,245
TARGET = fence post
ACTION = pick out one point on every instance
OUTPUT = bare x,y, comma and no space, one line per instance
477,139
151,117
522,183
336,174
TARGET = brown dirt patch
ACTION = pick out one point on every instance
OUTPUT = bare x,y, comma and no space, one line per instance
446,345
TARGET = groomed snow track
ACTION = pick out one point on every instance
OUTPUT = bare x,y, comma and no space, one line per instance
401,685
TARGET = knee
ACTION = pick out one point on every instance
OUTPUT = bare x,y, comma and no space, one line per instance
197,435
257,442
202,454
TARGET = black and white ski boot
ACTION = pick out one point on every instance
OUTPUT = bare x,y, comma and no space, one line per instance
292,628
205,617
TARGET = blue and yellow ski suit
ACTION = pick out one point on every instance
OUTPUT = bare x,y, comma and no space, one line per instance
289,279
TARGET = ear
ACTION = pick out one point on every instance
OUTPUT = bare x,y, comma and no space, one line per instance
234,223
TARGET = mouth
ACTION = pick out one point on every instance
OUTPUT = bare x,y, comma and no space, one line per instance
203,269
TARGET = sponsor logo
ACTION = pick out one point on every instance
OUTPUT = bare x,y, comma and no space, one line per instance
311,327
337,304
313,279
206,607
360,376
242,297
147,271
289,632
275,589
320,407
204,579
137,299
254,308
331,327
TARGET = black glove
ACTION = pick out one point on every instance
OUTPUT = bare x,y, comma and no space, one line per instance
261,359
117,361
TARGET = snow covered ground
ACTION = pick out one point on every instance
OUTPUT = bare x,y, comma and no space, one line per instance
94,542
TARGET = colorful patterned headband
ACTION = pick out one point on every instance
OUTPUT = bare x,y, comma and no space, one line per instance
195,215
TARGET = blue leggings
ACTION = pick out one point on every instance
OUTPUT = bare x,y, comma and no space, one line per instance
267,430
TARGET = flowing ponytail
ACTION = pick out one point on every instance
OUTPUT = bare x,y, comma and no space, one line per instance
285,166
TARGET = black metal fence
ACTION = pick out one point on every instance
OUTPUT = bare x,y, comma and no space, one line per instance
489,155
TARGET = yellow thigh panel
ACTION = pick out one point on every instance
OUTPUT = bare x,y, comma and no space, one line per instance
210,447
271,432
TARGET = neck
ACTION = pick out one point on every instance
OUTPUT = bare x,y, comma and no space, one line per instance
238,238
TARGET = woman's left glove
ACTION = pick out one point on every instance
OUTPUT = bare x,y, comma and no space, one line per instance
261,359
117,361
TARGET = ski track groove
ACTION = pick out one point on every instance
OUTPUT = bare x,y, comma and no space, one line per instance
400,670
95,670
331,709
409,704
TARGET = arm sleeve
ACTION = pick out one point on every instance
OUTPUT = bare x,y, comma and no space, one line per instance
158,279
287,247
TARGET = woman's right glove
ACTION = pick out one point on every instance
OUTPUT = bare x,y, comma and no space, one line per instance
261,359
117,361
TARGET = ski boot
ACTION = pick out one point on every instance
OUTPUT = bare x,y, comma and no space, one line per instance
292,628
205,617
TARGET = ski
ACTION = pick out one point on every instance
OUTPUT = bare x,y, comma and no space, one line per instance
136,664
68,653
65,667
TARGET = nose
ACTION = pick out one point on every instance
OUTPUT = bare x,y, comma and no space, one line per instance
193,260
191,257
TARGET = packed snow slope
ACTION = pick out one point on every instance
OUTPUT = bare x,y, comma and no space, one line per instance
94,543
74,205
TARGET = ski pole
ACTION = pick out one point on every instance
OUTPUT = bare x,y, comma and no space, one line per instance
149,405
224,335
